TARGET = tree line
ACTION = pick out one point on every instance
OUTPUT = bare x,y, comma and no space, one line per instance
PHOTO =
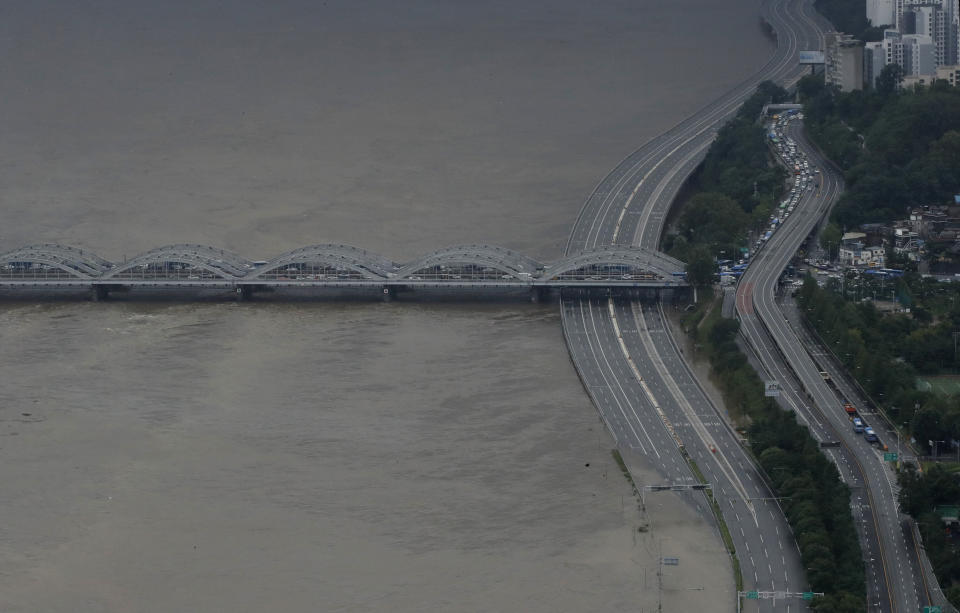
898,148
733,191
814,498
886,352
920,495
848,16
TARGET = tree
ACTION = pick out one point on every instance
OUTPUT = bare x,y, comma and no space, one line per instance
830,238
715,221
810,86
700,268
926,427
889,79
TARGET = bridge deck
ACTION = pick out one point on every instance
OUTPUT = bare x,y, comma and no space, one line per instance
336,266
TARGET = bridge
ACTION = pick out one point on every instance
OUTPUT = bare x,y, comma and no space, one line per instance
52,265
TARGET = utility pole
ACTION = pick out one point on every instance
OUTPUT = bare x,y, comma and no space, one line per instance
660,576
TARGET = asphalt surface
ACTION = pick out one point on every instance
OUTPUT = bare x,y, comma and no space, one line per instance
894,579
627,359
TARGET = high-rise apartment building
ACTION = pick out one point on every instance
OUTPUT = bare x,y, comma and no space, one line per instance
843,61
937,19
919,55
879,54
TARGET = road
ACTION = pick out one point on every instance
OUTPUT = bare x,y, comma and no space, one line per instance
894,579
627,359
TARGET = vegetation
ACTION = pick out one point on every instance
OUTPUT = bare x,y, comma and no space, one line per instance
626,471
718,515
848,16
898,149
736,188
886,352
815,500
920,495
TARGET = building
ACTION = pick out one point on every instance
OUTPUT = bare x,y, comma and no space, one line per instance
843,61
907,243
877,55
937,19
853,252
950,74
912,81
919,56
880,12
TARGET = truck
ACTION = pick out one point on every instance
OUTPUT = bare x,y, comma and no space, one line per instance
849,408
870,435
858,425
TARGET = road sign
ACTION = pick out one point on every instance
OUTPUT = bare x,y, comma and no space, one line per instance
890,457
931,610
671,561
807,596
811,57
771,389
753,595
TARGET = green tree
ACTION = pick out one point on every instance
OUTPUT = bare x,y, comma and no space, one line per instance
889,79
715,221
700,268
830,238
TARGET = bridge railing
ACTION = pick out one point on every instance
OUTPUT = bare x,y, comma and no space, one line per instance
335,265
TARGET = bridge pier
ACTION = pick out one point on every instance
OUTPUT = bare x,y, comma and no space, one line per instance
539,294
99,293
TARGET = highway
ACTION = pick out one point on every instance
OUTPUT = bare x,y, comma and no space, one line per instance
894,579
628,360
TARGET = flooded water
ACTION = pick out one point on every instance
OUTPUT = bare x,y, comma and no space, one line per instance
304,456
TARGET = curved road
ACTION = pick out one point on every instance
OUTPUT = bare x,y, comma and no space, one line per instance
894,579
627,359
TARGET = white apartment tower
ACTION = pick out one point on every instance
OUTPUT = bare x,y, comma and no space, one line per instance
937,19
919,55
878,55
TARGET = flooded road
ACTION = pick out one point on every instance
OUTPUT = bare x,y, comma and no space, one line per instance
303,456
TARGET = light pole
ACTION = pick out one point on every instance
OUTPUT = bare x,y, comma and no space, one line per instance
660,575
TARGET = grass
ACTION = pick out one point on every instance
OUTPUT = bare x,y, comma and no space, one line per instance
724,530
945,385
623,468
714,506
691,319
626,475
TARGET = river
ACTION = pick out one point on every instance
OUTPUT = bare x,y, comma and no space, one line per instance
302,455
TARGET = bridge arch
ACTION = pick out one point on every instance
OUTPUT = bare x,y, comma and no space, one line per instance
326,261
181,263
611,263
473,263
49,262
